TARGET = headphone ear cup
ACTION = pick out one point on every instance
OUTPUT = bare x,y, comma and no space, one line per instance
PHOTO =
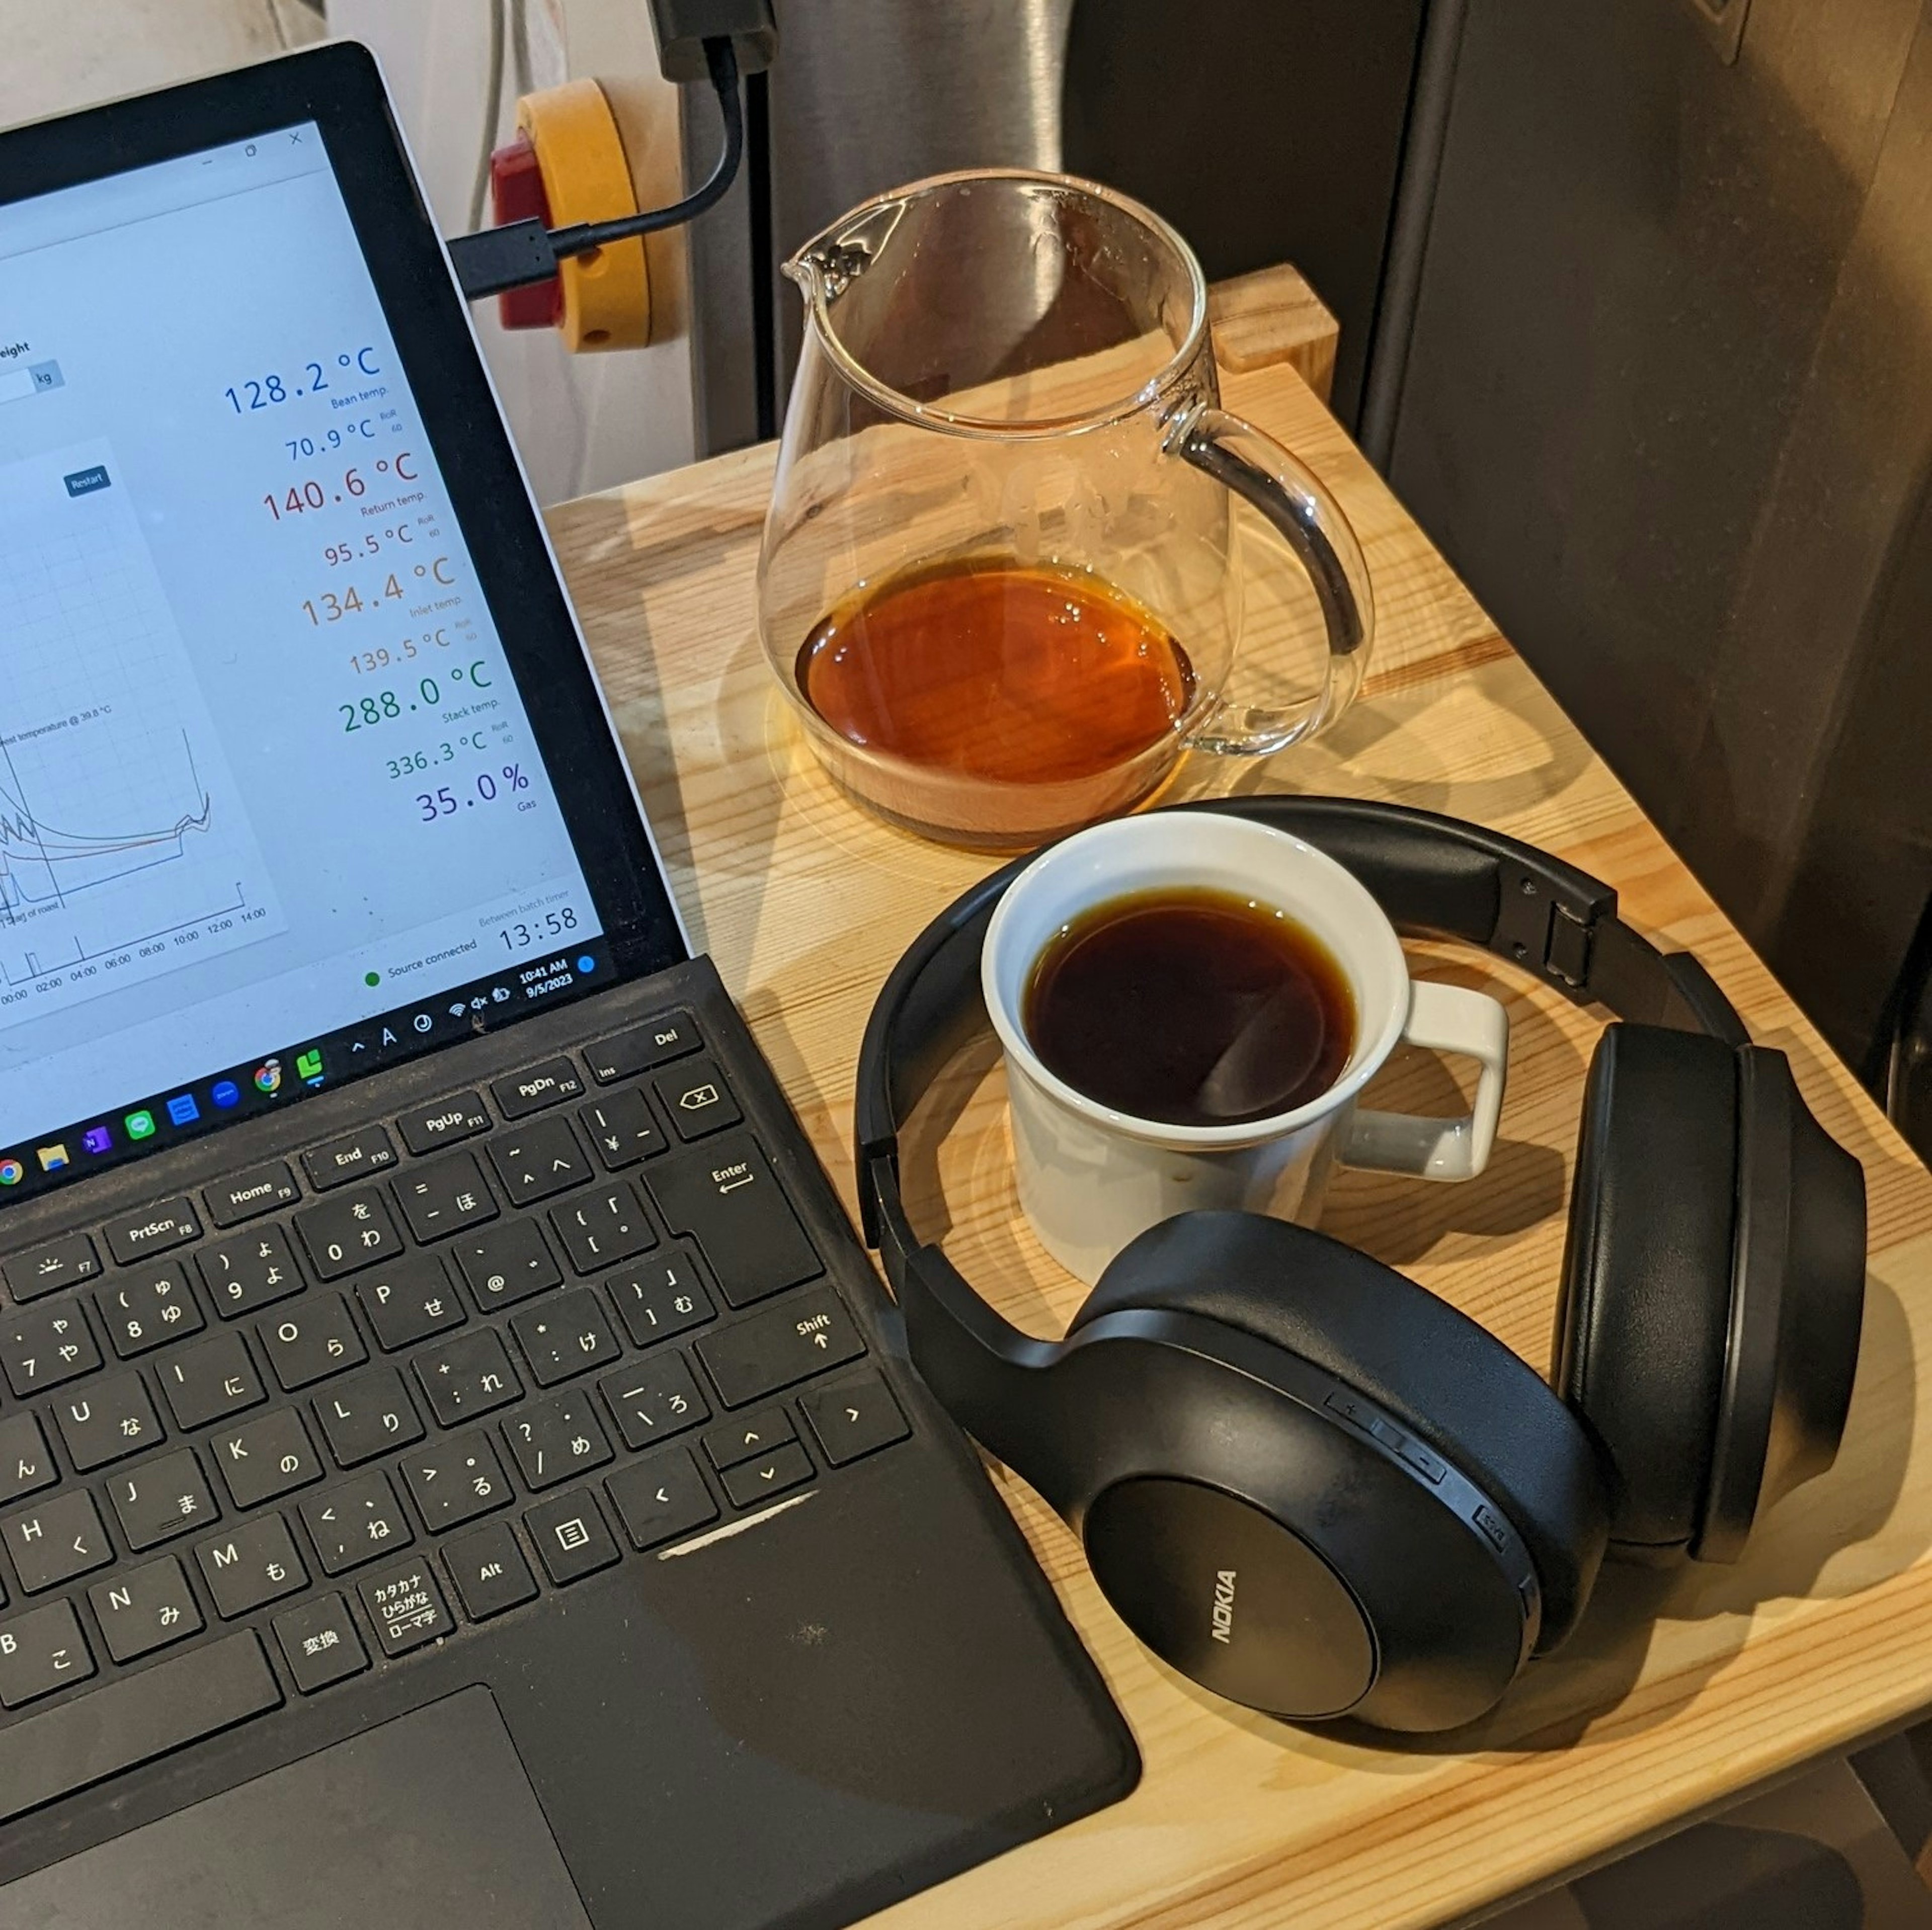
1451,1382
1644,1319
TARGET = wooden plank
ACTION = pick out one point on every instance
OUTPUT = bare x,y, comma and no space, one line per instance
1273,316
1677,1690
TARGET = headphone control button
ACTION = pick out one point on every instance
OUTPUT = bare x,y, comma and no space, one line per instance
1350,1408
1489,1524
1424,1462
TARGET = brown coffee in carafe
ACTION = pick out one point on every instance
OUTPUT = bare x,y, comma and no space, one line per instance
1025,674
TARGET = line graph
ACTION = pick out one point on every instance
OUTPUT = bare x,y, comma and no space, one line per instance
125,849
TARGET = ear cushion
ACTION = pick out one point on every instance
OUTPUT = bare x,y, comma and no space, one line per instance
1645,1318
1451,1382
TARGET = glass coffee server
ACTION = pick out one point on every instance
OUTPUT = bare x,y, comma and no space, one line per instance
1000,579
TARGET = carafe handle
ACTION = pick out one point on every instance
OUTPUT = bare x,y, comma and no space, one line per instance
1257,469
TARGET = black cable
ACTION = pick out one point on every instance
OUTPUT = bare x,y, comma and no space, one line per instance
496,259
764,272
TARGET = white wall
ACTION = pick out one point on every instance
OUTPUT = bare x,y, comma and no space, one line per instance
582,422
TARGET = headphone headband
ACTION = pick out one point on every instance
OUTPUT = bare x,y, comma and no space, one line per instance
1435,876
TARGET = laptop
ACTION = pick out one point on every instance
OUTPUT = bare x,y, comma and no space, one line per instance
457,1464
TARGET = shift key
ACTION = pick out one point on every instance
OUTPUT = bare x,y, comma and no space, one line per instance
728,1199
771,1351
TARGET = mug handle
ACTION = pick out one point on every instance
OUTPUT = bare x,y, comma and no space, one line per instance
1257,469
1443,1018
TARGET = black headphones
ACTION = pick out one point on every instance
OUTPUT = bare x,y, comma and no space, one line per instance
1310,1484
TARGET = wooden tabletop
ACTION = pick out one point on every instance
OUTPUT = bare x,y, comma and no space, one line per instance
1676,1692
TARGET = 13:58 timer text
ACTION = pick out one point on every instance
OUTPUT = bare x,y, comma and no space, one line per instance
551,924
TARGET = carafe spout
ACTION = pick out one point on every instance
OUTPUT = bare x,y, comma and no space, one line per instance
833,259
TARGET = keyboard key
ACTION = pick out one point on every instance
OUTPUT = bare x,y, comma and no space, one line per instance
319,1643
651,1043
749,1437
556,1438
40,1652
469,1375
444,1197
660,1499
729,1199
145,1608
461,1117
309,1343
257,1562
455,1479
489,1572
571,1540
408,1301
654,1399
507,1264
354,1156
25,1463
752,1481
367,1416
622,1129
209,1381
566,1336
600,1229
260,1190
696,1099
355,1522
345,1234
266,1458
405,1606
548,1084
135,1719
155,1229
44,1269
660,1297
538,1160
54,1540
771,1351
143,1311
856,1419
166,1498
113,1418
249,1270
45,1346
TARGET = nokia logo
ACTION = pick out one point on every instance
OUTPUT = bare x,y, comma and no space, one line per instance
1223,1630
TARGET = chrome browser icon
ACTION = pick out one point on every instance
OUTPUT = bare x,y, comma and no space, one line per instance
11,1172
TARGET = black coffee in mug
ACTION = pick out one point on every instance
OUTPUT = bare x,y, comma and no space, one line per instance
1190,1008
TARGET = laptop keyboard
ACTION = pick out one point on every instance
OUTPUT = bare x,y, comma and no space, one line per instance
334,1410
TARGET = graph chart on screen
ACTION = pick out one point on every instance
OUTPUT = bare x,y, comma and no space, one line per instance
125,850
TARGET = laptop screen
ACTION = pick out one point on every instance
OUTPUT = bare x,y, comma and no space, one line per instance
272,809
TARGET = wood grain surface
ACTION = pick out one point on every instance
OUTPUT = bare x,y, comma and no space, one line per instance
1677,1690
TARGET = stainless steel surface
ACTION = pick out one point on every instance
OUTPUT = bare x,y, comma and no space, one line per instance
1266,130
867,95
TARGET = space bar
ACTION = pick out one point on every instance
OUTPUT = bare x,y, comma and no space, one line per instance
133,1721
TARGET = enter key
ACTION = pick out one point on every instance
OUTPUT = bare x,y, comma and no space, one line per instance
728,1200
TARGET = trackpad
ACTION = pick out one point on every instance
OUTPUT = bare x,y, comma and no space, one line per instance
426,1819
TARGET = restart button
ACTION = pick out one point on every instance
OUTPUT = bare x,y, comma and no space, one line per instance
84,482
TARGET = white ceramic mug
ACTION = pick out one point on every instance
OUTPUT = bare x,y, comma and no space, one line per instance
1092,1177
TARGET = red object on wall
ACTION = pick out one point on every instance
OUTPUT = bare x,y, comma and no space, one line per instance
516,194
